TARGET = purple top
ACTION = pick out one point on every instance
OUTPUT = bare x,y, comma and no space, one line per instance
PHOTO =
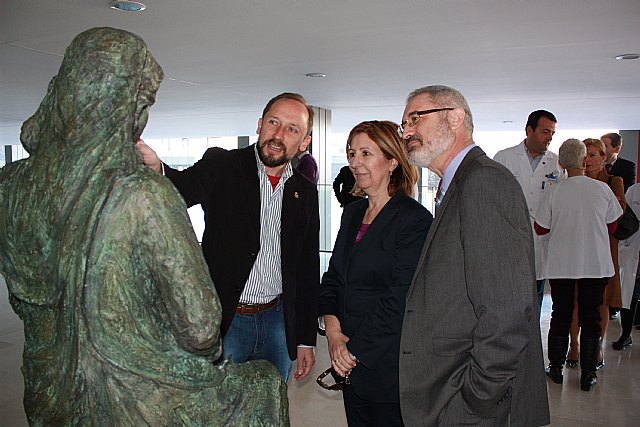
363,229
308,167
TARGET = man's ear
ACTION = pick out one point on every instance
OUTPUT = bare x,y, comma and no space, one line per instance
259,125
305,143
456,118
528,130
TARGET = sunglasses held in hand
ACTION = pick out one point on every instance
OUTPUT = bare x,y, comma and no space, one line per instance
340,384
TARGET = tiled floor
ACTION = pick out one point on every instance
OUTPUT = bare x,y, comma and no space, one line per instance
614,402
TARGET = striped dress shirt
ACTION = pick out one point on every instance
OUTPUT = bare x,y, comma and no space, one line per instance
265,280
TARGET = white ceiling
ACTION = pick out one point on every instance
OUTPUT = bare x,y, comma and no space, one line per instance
223,59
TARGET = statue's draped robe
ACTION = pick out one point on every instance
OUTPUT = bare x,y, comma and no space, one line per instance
121,317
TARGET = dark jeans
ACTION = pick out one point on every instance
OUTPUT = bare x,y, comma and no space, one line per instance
259,336
590,293
361,413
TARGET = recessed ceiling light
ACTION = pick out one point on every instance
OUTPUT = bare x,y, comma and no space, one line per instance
627,57
316,75
507,121
127,6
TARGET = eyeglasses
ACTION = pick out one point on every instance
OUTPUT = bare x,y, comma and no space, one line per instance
414,117
341,384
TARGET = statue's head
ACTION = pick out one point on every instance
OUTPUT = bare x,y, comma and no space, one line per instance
103,90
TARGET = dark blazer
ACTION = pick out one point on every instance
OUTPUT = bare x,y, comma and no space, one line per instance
365,287
626,170
226,185
471,351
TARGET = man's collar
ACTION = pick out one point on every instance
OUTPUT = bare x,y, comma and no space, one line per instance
451,169
526,149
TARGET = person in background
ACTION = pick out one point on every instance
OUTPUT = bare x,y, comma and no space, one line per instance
536,170
342,186
629,258
579,214
594,168
616,165
470,351
307,166
363,292
261,237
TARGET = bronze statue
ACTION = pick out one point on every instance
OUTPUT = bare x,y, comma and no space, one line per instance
120,313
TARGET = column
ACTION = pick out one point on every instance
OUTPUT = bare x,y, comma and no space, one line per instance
8,158
630,144
318,148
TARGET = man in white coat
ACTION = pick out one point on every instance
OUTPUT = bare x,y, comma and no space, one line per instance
628,257
535,169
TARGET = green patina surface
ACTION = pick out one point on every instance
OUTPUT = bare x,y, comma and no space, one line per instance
121,317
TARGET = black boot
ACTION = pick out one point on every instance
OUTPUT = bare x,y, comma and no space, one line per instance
589,351
626,320
557,347
623,342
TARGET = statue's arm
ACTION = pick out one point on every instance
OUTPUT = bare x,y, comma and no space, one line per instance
173,255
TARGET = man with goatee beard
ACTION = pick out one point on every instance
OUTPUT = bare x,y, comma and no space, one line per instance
261,237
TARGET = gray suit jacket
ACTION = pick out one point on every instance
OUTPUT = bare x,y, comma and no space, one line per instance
470,351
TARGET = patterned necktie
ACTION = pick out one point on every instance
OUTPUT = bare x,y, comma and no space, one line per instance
608,167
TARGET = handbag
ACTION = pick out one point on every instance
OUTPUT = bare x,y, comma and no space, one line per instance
628,223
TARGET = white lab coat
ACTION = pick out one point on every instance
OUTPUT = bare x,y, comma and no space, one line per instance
533,184
629,250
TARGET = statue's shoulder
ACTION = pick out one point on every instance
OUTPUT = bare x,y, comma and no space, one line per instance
142,179
145,187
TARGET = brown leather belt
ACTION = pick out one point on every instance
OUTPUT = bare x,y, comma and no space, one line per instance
243,308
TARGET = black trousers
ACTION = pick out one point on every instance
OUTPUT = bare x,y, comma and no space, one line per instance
590,292
363,413
631,315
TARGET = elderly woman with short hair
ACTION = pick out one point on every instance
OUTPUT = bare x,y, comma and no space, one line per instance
594,168
577,260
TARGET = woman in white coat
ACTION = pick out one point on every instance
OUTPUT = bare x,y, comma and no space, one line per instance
628,257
